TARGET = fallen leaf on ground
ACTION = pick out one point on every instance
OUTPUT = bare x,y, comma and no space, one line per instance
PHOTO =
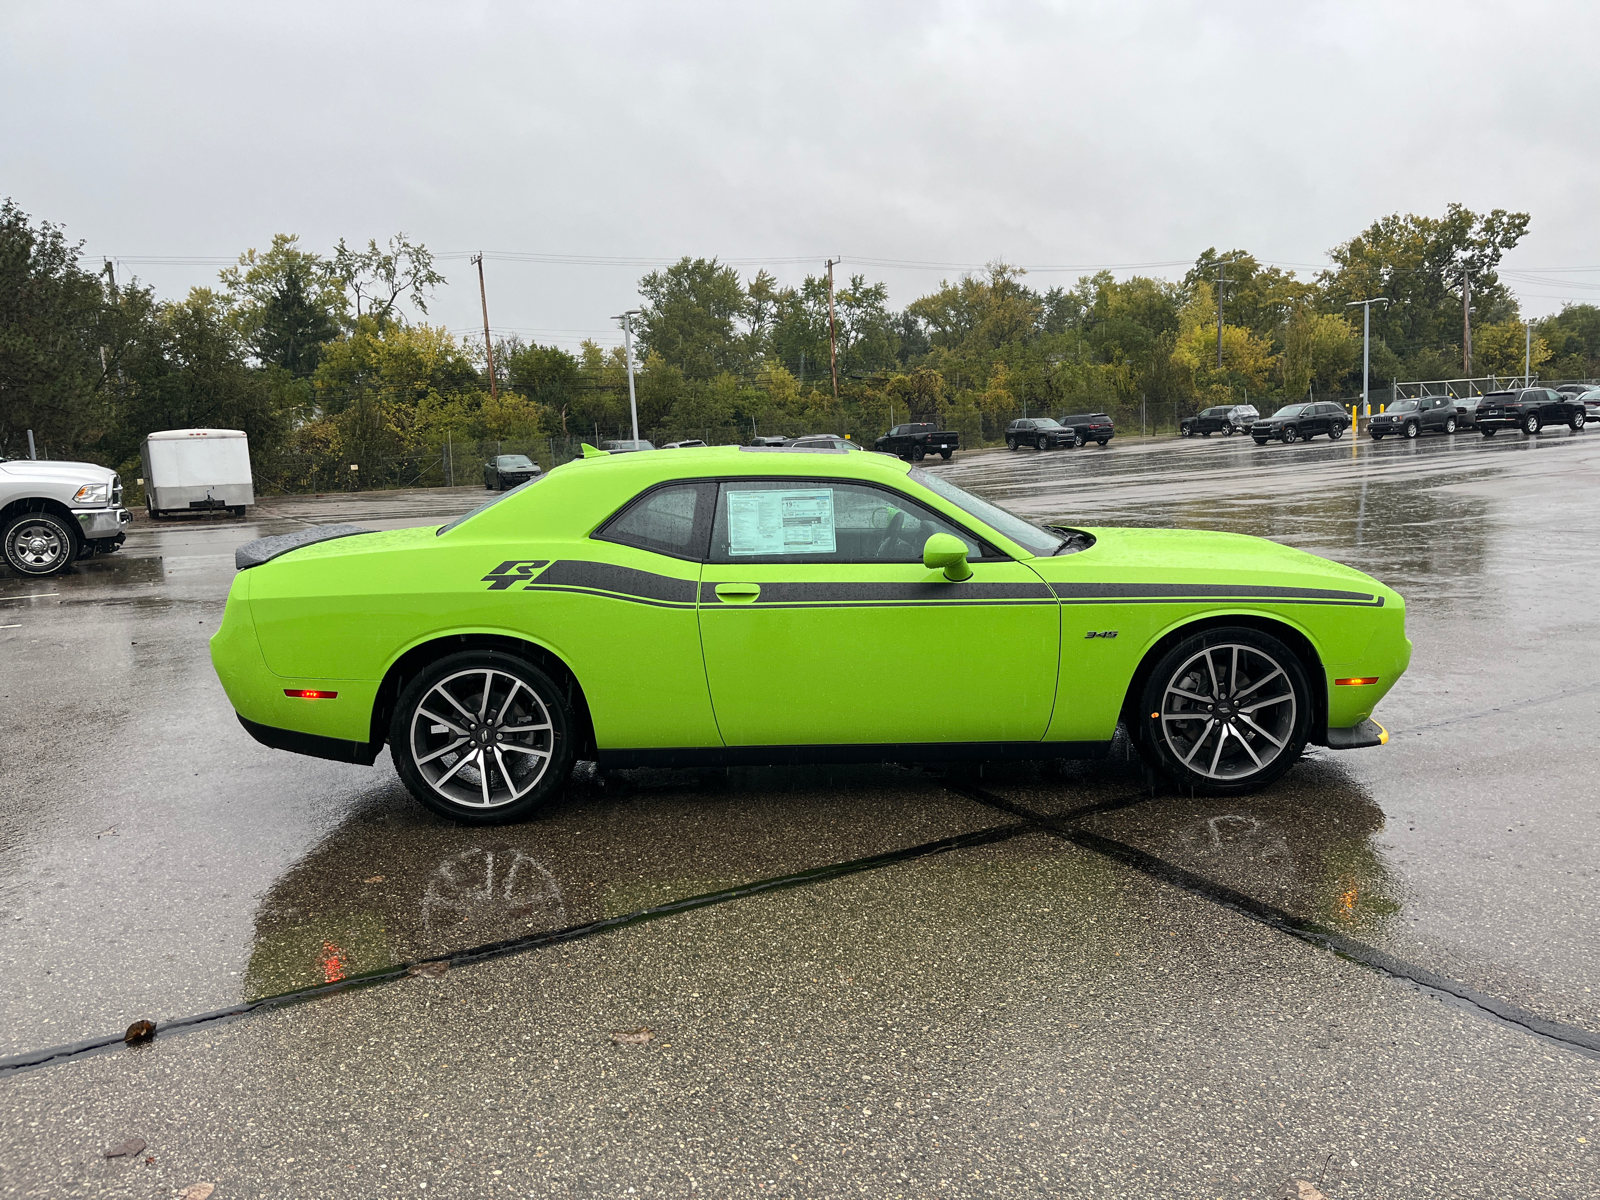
139,1031
125,1149
1300,1189
373,879
631,1037
428,970
197,1191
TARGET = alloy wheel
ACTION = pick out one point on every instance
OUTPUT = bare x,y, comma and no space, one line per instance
37,547
481,738
1228,712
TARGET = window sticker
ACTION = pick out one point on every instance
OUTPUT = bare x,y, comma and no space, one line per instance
797,522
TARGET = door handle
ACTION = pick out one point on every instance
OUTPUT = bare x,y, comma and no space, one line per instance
738,593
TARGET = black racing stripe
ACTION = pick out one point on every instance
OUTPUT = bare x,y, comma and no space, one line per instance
938,592
1241,597
573,575
1207,591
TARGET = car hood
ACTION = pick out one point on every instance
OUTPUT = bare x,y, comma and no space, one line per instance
1178,561
56,472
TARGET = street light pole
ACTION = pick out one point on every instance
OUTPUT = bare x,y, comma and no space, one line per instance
1366,349
1527,356
627,342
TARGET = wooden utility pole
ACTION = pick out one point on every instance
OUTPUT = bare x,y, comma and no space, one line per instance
1222,266
488,345
833,339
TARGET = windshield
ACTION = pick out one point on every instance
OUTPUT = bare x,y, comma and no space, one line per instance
503,496
1294,410
1023,533
1048,423
515,462
1403,406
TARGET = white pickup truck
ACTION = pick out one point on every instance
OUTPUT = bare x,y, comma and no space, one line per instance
53,513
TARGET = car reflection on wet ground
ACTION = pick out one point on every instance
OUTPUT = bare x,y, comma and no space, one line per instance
1075,984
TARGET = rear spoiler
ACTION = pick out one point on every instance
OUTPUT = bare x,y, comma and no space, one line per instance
253,554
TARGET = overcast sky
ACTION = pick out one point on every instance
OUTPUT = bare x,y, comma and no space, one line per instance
1067,135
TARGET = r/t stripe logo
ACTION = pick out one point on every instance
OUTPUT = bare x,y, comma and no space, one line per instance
514,570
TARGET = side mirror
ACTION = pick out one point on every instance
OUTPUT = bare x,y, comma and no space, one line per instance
947,551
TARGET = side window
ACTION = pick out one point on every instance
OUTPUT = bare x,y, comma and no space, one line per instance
803,520
672,520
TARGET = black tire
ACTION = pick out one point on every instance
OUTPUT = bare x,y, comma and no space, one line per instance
237,510
452,789
1077,440
1186,431
1205,433
1226,430
945,454
1290,434
1376,436
1043,443
1011,443
1490,432
1412,429
1240,752
1577,422
1259,441
1449,424
1335,433
1530,424
1104,442
41,544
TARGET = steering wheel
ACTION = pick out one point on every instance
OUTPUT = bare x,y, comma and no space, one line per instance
891,533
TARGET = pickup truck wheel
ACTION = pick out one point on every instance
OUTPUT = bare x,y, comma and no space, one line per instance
1225,711
40,544
1530,423
1043,442
945,454
1412,429
1449,424
482,737
1011,443
918,453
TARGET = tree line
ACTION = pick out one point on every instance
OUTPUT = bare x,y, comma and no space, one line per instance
331,354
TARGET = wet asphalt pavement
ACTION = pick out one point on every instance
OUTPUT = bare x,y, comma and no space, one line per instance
1029,982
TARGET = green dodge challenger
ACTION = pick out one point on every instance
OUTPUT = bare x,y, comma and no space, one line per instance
714,606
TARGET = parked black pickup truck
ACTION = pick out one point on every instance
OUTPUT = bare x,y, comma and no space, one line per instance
916,441
1529,410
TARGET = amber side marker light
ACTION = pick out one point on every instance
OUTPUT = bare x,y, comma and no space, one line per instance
309,694
1358,681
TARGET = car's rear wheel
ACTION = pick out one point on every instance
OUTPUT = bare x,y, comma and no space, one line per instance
1530,423
1226,711
1577,421
1335,433
1490,432
40,544
1449,424
482,737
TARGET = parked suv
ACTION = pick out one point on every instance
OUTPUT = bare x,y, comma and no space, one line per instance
1529,410
1042,433
1224,419
1296,421
1090,427
1409,418
52,513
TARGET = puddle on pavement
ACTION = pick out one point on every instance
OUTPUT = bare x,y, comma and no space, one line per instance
393,884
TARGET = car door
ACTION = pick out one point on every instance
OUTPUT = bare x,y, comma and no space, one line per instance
821,626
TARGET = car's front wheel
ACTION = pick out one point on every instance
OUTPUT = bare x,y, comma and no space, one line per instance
1412,429
1077,441
1186,431
39,544
1226,430
1290,434
482,737
1226,711
1043,442
1011,443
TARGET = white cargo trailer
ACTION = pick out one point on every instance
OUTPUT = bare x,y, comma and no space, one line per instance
188,470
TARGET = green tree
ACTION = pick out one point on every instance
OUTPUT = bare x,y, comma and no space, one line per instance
379,278
1573,335
690,315
286,304
51,376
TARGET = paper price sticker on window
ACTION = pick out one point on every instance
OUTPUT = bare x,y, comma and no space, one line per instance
781,522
